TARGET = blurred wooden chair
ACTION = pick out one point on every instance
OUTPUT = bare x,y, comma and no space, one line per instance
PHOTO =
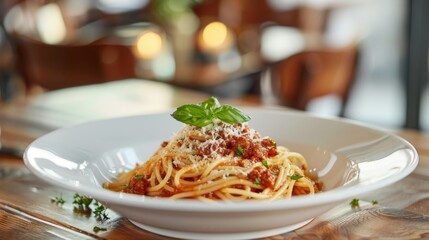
311,74
60,66
240,14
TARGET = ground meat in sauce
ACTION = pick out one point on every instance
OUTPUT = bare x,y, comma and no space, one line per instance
266,178
166,193
137,186
164,144
251,149
318,186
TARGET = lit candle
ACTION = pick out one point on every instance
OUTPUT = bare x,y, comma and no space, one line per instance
149,45
215,38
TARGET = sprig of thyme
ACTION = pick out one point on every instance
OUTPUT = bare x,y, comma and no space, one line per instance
100,211
354,203
83,206
82,202
97,229
58,200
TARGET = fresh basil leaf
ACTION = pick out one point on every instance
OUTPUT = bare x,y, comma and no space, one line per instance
230,114
202,114
212,103
193,115
201,122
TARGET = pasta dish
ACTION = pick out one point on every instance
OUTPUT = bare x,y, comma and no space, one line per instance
219,161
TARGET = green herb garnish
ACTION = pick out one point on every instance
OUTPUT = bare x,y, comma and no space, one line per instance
354,203
374,202
257,181
296,176
139,176
83,208
97,229
239,151
58,200
100,211
265,163
82,202
203,114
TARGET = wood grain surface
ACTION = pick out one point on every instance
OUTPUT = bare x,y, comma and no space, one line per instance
26,210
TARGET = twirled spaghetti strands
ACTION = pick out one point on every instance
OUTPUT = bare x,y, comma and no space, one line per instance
221,162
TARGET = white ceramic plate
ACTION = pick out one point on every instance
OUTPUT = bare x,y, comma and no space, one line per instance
351,159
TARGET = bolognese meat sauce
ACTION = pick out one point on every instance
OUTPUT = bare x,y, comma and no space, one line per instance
244,144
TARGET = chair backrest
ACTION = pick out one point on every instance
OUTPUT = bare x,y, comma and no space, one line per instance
61,66
242,14
310,74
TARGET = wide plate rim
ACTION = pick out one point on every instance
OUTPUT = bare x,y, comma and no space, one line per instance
254,206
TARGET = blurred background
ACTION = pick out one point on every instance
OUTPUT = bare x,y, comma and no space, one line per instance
359,59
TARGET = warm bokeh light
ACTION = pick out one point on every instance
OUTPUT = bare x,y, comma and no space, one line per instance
215,37
214,34
149,45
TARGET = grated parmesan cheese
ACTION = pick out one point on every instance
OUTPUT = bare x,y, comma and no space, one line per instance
210,142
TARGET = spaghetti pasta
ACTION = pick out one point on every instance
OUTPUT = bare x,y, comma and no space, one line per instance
219,161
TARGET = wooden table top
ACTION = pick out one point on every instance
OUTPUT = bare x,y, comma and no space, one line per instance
26,210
